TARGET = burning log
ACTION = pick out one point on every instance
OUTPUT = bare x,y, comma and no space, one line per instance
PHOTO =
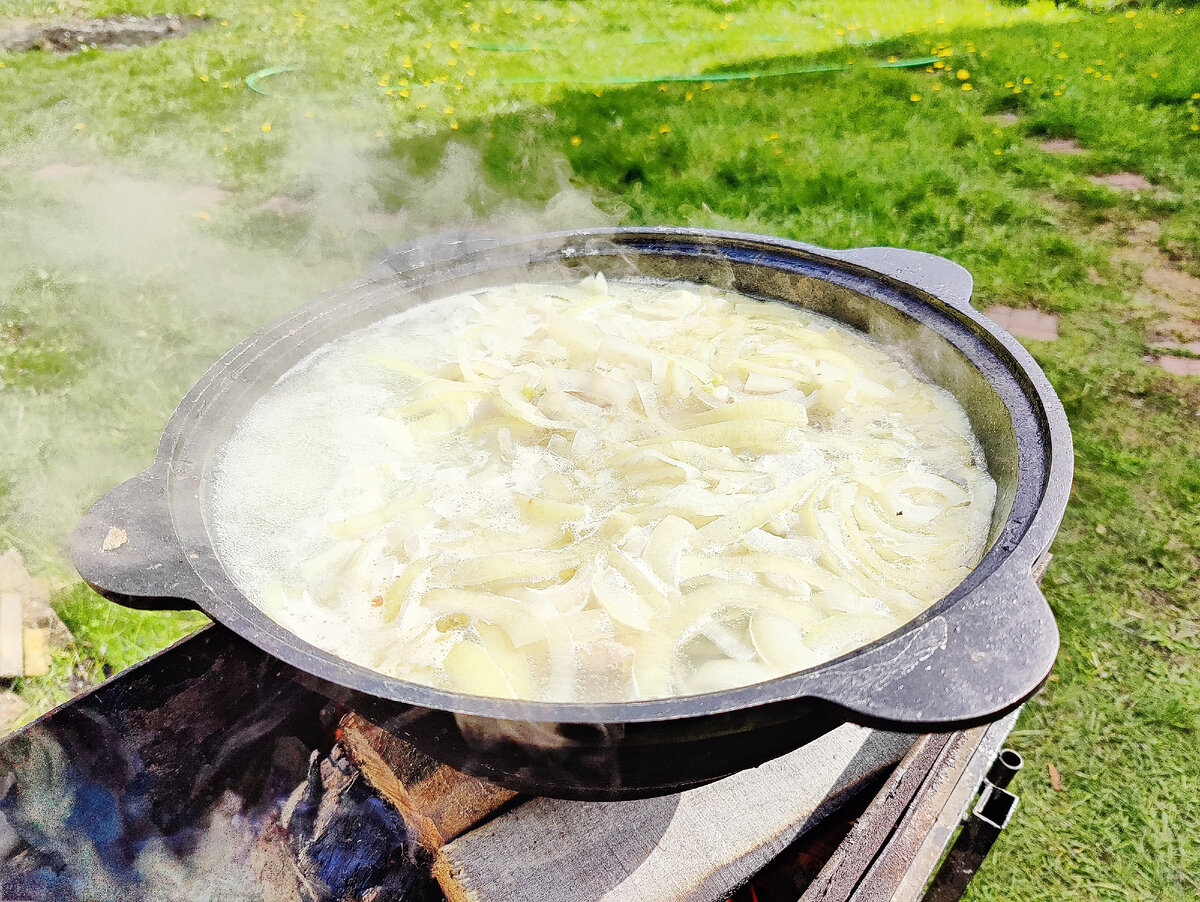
436,802
694,846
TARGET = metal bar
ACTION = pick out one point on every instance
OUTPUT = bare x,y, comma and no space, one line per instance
991,815
843,872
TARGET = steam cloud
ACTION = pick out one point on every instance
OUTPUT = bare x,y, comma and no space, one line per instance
133,286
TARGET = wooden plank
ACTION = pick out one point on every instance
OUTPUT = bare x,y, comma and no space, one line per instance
911,888
694,846
437,802
883,877
37,652
844,871
12,657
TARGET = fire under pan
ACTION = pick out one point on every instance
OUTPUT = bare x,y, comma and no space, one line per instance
213,770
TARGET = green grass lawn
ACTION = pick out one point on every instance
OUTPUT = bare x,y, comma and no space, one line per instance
118,287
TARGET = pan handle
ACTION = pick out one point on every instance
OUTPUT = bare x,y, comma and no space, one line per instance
126,549
942,278
969,665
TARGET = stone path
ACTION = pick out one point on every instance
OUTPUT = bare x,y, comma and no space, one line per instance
1025,322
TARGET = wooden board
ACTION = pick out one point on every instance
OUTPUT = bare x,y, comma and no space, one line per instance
12,655
437,802
694,846
36,652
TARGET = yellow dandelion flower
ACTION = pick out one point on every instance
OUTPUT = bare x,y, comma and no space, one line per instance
707,86
266,126
663,129
204,78
78,126
404,92
1027,80
448,111
1131,14
1009,84
227,130
406,62
1062,55
945,52
1058,93
452,62
893,58
1154,75
774,136
966,86
724,26
1195,127
939,65
1196,97
914,97
937,87
379,134
662,87
455,44
576,140
384,79
962,74
1137,25
202,215
1088,69
421,104
470,73
688,96
997,151
429,45
1017,90
1108,76
454,126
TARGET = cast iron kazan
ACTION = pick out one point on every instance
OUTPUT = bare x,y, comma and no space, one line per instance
976,654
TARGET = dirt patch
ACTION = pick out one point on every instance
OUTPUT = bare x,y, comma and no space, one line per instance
56,171
1025,323
114,33
204,195
1122,181
1003,118
1068,146
282,205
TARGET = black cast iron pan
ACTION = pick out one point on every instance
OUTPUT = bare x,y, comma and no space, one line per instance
973,656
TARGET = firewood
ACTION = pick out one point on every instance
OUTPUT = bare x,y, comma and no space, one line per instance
694,846
12,656
35,598
37,652
436,802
